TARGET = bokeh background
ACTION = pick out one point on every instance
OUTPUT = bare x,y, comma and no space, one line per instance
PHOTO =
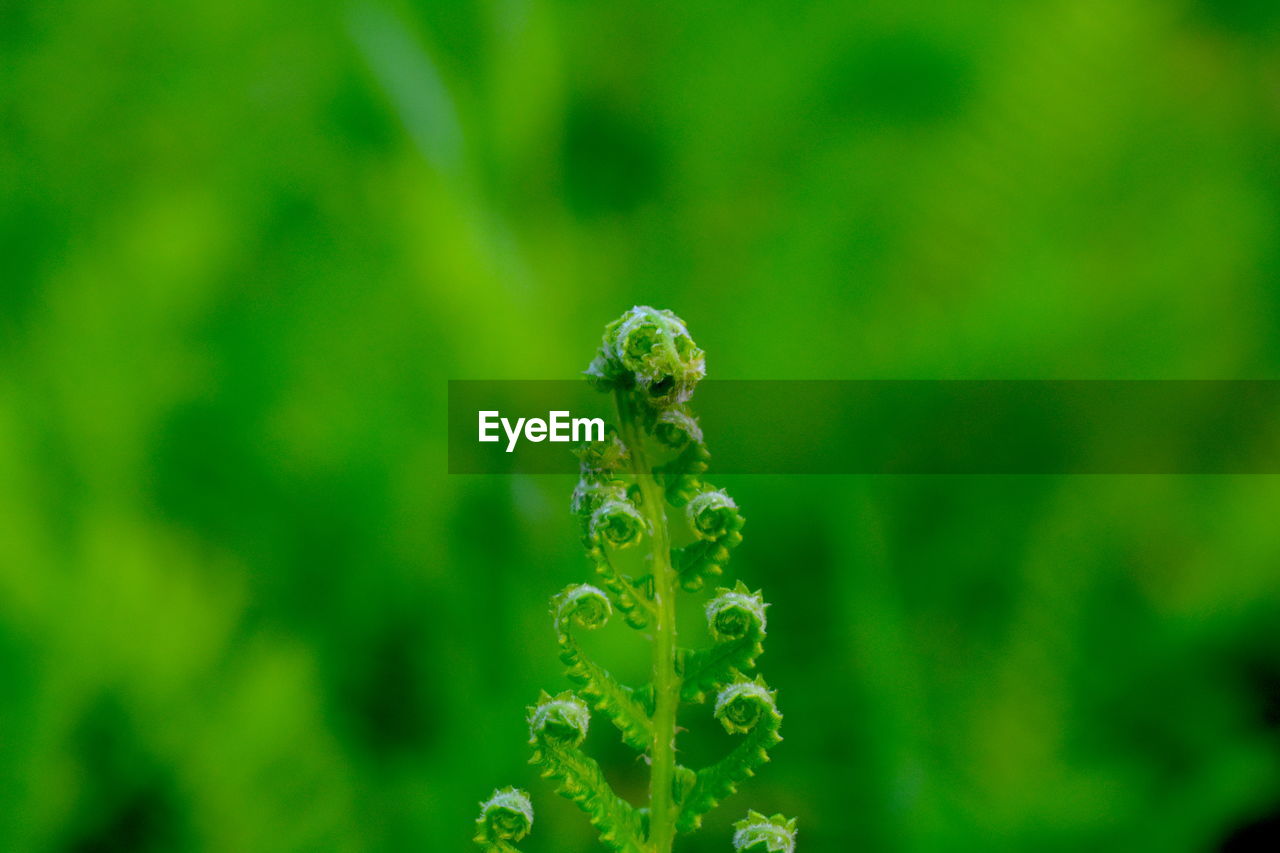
243,247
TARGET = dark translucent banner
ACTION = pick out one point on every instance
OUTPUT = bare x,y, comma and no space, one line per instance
898,427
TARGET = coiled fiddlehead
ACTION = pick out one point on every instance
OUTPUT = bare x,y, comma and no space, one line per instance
506,817
654,459
649,351
759,834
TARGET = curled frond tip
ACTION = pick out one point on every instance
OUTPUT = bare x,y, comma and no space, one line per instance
649,350
586,605
760,834
735,613
713,515
743,704
602,457
676,428
559,720
619,523
505,816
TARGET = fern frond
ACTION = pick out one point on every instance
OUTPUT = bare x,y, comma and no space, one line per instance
580,780
557,727
681,477
634,605
707,670
585,606
610,519
736,618
682,480
653,458
744,707
715,521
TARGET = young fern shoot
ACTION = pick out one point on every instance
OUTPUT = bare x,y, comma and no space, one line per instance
648,469
506,817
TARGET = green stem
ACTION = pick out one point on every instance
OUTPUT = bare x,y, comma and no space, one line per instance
666,681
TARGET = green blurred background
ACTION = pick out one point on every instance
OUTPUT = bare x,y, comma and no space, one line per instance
243,246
